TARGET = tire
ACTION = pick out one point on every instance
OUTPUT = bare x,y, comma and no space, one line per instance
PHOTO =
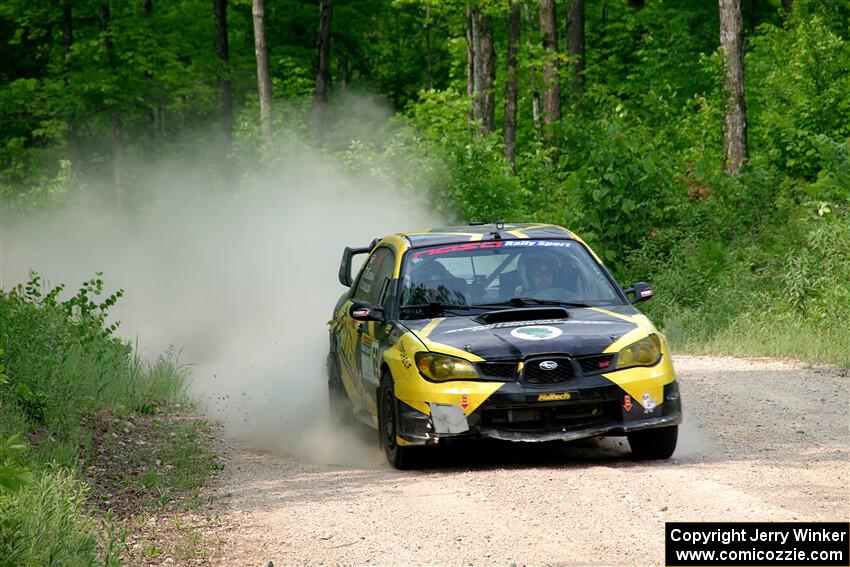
654,444
338,402
400,457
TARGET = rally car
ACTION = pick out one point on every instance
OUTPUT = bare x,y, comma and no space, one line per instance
507,331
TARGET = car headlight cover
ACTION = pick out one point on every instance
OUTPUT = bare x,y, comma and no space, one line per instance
644,352
441,367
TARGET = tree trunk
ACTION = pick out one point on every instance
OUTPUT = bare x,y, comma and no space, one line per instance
70,120
511,86
476,66
575,45
636,4
225,90
732,45
551,78
470,65
787,4
535,101
429,71
155,109
323,54
533,76
119,153
264,83
344,69
485,70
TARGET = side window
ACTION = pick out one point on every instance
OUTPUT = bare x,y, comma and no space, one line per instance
379,267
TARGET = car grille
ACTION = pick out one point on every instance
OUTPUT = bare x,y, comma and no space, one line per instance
533,374
596,363
497,370
561,417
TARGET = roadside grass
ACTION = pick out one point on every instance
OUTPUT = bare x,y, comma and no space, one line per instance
188,537
45,523
785,296
91,435
157,462
754,335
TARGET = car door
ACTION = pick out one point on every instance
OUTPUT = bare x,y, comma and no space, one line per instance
363,362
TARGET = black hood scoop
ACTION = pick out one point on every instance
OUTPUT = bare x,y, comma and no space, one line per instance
524,314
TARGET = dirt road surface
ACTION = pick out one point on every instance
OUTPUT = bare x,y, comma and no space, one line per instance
762,441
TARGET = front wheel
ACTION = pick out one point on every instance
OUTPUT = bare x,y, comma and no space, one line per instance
399,456
653,444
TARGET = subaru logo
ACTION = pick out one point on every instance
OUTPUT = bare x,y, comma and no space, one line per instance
548,365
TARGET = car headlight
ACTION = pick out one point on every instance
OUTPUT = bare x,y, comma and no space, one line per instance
644,352
441,367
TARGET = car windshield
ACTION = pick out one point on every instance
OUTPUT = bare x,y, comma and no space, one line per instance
503,273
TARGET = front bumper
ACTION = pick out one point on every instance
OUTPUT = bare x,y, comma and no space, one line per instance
518,413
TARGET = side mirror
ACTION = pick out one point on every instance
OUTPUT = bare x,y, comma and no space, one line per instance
642,292
365,311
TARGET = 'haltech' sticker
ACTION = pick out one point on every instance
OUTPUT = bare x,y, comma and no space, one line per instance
553,397
536,333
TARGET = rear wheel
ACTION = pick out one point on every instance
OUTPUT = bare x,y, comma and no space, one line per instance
399,456
652,444
338,402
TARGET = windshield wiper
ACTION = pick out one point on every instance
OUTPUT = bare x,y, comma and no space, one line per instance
524,301
436,307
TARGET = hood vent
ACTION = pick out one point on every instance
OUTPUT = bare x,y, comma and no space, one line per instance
523,314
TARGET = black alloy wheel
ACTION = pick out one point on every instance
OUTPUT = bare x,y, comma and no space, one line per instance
399,456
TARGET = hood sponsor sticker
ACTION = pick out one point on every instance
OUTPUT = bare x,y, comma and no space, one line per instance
508,324
536,333
627,402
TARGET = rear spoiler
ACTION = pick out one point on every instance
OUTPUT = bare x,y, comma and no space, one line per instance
345,265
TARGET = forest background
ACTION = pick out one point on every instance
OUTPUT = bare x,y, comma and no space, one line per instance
606,116
700,146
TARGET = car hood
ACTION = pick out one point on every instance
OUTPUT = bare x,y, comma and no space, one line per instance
583,332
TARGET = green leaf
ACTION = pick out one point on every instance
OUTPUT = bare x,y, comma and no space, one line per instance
13,477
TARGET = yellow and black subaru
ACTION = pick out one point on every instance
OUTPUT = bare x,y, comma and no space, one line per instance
505,331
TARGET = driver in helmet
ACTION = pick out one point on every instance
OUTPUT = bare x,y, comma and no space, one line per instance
541,273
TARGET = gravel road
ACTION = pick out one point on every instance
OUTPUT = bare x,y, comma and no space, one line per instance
762,441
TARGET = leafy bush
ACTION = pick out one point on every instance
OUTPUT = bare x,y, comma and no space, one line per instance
800,77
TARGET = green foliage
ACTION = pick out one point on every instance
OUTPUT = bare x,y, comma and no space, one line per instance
60,362
45,523
833,181
12,474
621,187
800,77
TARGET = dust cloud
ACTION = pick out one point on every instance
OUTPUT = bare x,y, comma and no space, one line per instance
241,283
